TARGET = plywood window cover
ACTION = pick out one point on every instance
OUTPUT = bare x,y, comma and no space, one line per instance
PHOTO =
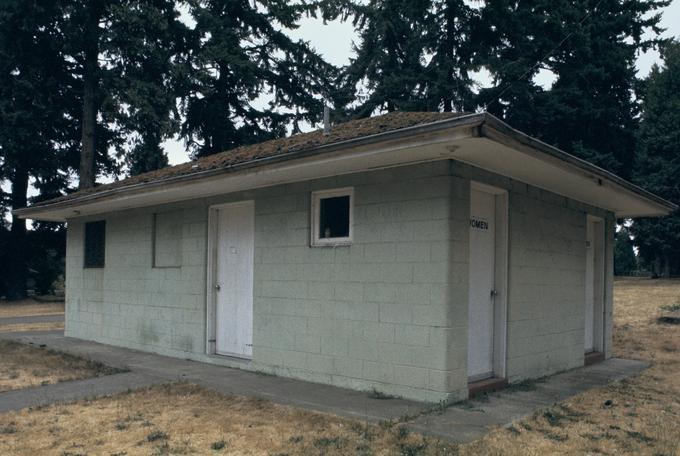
94,259
154,246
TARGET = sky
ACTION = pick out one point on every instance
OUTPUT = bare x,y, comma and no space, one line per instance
334,42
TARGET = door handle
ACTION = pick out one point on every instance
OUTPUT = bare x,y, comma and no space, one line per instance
218,287
494,293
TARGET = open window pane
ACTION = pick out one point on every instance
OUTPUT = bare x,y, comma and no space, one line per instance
95,244
334,217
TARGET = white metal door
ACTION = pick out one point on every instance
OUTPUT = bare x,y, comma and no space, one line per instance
234,280
482,284
590,286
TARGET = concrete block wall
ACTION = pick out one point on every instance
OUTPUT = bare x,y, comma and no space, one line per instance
375,314
546,277
388,312
130,303
546,312
378,314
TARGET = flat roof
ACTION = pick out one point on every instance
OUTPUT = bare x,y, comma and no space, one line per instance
392,139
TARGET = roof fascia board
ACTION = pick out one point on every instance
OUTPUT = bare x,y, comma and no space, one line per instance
480,124
470,120
279,170
497,130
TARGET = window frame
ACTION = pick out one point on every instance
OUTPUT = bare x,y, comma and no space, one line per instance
317,196
86,264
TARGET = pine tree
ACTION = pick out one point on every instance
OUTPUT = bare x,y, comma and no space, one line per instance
84,25
77,77
450,40
388,71
36,131
658,163
590,46
516,36
240,55
125,56
146,44
625,261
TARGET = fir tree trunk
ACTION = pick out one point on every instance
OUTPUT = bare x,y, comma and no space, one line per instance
656,267
90,81
666,271
16,288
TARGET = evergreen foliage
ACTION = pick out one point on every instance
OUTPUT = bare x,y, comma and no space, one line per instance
239,56
625,261
388,72
89,85
658,163
146,47
452,42
36,132
590,47
127,59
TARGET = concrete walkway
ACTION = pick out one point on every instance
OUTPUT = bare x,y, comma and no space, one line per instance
311,396
456,423
472,419
74,390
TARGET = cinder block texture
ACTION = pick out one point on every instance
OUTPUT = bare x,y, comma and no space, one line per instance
129,302
372,315
388,312
546,277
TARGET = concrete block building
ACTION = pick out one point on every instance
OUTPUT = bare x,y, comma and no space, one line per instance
418,254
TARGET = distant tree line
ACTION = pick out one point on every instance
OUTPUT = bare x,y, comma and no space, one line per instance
92,88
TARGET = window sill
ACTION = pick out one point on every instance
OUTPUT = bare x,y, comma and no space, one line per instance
338,243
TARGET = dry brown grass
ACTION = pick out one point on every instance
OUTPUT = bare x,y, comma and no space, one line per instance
644,414
44,326
185,419
23,366
642,418
29,307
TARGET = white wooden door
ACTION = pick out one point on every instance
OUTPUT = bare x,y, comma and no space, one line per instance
234,280
482,284
590,286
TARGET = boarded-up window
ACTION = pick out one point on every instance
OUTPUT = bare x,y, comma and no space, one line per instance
167,239
95,244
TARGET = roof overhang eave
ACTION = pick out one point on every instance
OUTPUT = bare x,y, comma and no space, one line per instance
479,125
497,130
466,121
